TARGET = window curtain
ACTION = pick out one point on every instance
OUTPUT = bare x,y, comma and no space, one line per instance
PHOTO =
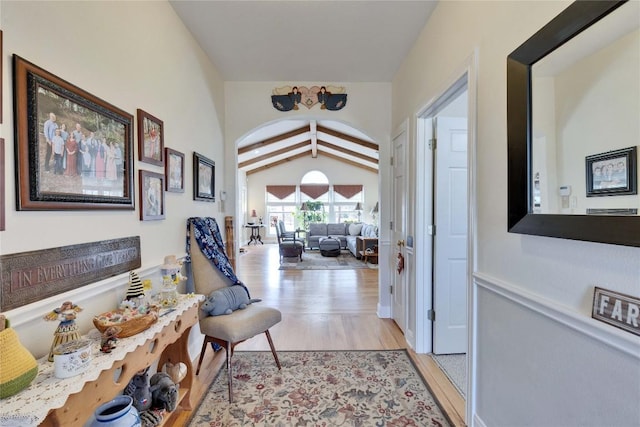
314,190
347,191
281,191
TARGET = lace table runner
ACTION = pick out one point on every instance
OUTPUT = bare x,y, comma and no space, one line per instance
31,406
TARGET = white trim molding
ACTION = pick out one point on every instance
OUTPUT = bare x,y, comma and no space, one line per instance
608,335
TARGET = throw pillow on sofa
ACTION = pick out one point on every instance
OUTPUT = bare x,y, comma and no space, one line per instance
354,229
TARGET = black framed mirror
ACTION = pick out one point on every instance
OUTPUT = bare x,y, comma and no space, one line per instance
611,228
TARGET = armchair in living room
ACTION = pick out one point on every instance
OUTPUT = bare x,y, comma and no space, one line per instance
289,246
284,234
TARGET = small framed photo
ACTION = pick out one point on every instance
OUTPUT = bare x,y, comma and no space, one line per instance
174,170
204,177
151,196
612,173
150,139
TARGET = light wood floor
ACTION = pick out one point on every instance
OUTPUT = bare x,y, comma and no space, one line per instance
323,310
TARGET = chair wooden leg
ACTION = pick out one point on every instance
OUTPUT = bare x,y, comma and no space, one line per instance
273,349
229,374
202,352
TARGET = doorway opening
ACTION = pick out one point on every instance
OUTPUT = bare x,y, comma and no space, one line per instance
445,204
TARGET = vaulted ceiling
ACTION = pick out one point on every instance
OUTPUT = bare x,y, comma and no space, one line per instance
320,41
289,140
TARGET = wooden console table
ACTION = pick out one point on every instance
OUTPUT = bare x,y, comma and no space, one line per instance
50,401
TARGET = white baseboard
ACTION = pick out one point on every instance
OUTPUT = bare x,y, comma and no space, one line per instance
383,311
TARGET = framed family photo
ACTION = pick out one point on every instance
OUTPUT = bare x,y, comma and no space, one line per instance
73,149
150,139
204,173
612,173
151,196
174,170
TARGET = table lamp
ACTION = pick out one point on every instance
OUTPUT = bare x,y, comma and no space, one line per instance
359,209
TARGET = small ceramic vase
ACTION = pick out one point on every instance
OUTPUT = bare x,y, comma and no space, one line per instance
118,412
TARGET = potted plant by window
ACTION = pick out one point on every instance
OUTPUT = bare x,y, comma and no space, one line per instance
310,212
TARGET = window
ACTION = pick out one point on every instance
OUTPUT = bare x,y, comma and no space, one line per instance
314,177
280,207
346,201
345,209
324,203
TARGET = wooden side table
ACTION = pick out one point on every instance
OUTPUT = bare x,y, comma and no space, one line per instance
255,234
364,243
369,257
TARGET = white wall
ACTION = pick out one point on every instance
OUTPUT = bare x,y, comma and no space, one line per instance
290,174
132,55
550,272
598,106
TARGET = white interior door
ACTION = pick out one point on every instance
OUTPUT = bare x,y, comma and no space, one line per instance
450,243
399,284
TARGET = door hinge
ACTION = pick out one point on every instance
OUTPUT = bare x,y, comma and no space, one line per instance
431,230
390,225
391,289
431,315
433,143
391,161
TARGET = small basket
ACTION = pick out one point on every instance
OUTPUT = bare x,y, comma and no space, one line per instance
130,327
18,367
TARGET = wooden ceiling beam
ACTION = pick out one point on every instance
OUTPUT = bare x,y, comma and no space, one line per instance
277,163
350,162
275,153
347,151
361,142
314,138
272,140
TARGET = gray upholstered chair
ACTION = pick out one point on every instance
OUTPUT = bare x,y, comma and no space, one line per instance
289,247
230,329
284,234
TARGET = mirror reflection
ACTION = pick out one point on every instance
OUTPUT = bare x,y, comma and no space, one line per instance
586,120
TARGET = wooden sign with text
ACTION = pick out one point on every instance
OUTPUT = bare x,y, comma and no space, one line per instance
32,276
616,309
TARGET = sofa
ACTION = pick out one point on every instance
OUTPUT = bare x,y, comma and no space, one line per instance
360,230
346,233
318,230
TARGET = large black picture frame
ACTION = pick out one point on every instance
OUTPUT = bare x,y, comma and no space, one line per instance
618,230
41,183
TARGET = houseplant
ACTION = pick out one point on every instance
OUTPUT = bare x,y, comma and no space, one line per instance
310,212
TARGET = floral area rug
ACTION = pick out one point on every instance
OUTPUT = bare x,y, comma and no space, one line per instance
321,388
313,260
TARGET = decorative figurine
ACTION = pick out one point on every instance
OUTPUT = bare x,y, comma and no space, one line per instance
67,330
136,288
109,338
171,270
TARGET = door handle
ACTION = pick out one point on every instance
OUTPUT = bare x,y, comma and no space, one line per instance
400,243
